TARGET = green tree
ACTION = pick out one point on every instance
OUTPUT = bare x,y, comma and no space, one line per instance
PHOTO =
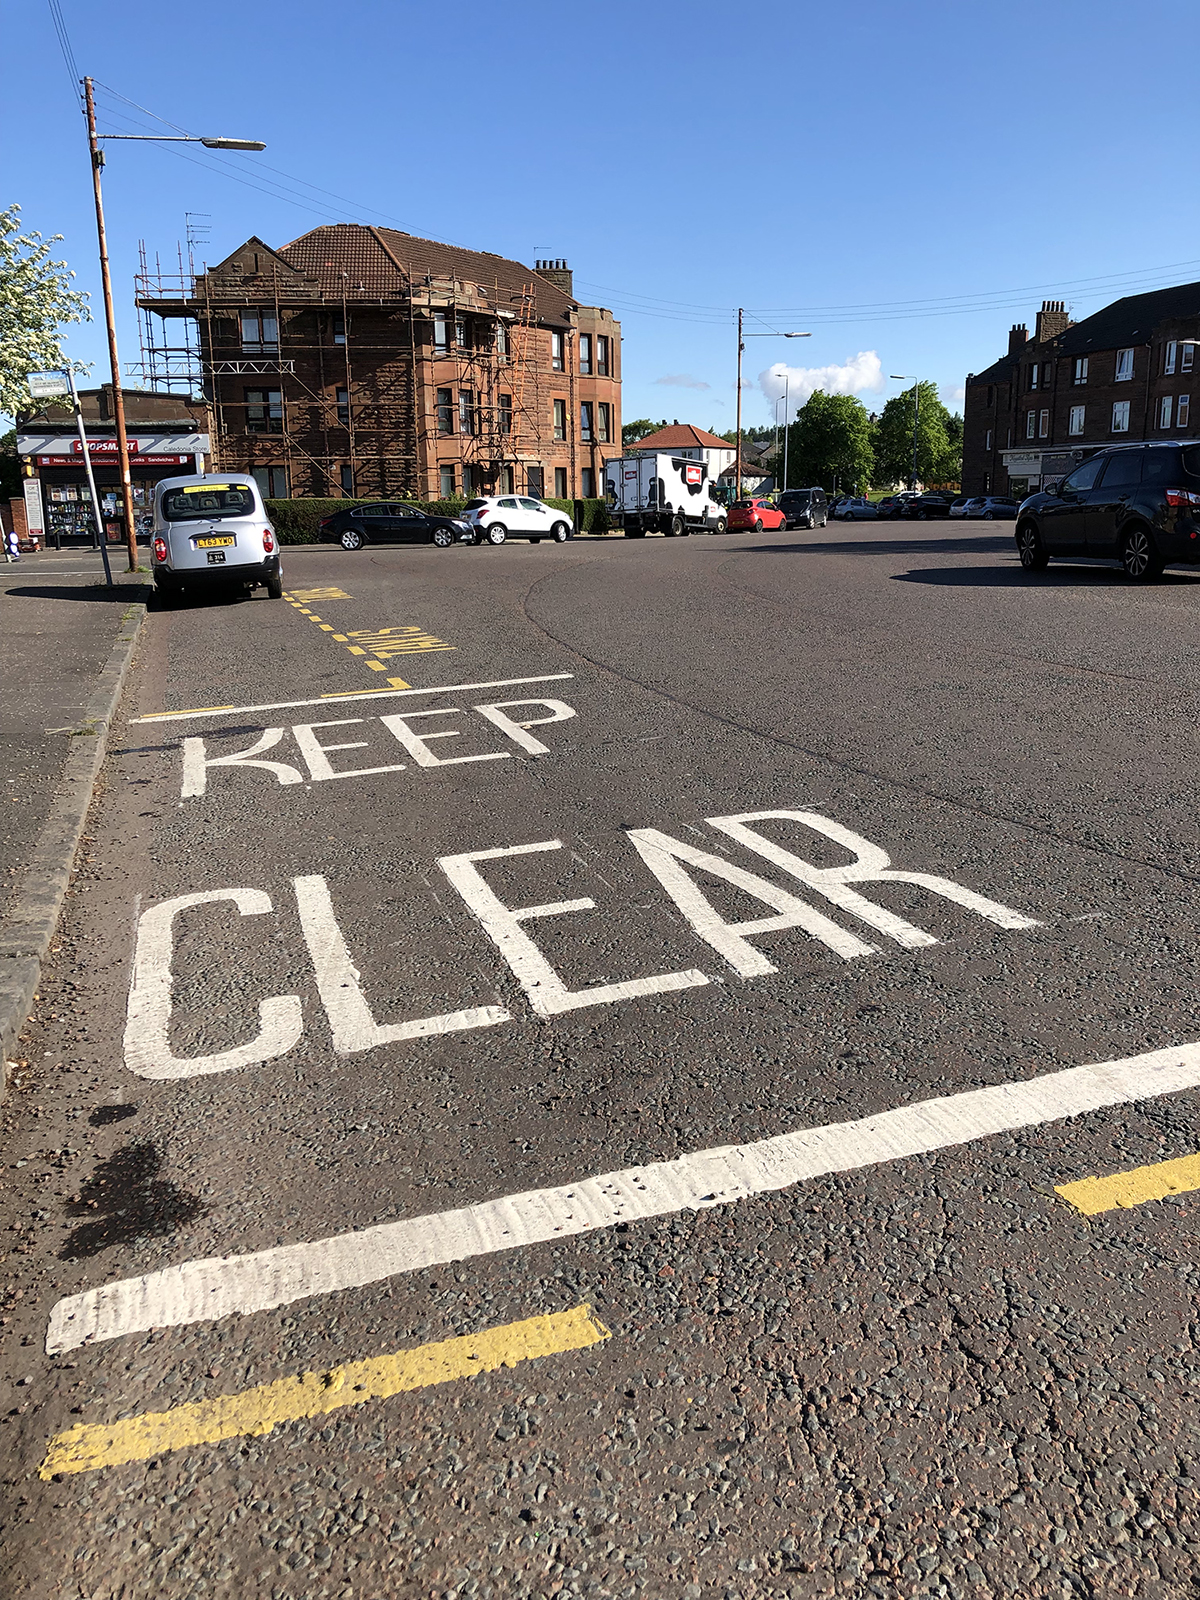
633,431
939,440
35,301
829,444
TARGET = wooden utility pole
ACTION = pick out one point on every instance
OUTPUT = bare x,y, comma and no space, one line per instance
114,361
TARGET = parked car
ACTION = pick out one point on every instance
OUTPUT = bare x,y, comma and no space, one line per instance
924,506
1138,504
211,530
853,509
392,522
958,506
994,507
893,505
513,516
804,508
756,514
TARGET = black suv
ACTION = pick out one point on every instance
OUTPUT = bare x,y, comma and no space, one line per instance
932,504
1138,504
804,508
393,521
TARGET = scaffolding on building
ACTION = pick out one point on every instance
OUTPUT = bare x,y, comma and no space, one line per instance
383,423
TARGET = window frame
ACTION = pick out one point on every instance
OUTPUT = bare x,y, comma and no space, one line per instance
586,422
1166,410
1183,411
446,471
1079,376
585,355
341,399
558,419
557,350
1031,424
504,413
1123,407
1044,424
466,413
987,440
602,355
445,411
260,346
263,423
560,483
346,479
1187,356
440,328
584,474
1170,352
339,328
603,423
1080,413
1121,375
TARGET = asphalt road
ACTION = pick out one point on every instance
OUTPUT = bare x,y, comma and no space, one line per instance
445,1067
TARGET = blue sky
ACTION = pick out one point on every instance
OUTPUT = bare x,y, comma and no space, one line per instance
904,180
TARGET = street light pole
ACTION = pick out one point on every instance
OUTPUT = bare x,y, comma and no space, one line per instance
742,337
97,156
786,381
905,377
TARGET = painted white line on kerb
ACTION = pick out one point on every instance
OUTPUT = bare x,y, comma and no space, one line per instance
202,1291
352,694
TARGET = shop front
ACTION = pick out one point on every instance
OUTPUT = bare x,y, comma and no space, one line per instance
56,461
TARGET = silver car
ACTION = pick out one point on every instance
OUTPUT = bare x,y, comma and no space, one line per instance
855,510
211,530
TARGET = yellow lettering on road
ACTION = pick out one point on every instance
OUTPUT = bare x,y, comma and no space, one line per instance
88,1446
1133,1188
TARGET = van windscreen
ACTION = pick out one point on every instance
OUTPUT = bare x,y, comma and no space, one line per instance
208,500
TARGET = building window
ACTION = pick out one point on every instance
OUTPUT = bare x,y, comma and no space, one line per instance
560,483
1124,366
260,333
508,480
1043,424
441,339
1030,424
535,481
585,354
1183,410
501,339
987,442
1047,372
560,419
264,410
1033,376
585,422
1081,370
1169,353
347,477
603,422
602,355
272,481
588,483
991,395
1076,424
339,328
1165,406
1120,420
446,482
445,410
460,331
343,407
505,413
466,411
556,350
468,481
1186,356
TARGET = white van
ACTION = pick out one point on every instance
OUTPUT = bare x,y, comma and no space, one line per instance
666,493
211,530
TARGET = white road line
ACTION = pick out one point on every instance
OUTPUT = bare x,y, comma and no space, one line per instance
353,694
202,1291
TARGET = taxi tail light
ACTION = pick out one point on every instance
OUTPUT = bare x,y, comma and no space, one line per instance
160,549
268,540
1182,497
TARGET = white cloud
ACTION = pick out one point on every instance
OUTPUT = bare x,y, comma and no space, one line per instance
958,397
861,374
683,380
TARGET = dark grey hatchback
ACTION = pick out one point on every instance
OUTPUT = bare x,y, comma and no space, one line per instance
1138,504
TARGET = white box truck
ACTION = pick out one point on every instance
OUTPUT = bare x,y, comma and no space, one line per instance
671,494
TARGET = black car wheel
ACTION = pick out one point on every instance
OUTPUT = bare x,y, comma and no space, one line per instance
758,524
443,538
350,539
1030,548
721,526
1140,557
989,516
496,533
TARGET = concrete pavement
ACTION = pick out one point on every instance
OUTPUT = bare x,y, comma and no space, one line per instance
560,1072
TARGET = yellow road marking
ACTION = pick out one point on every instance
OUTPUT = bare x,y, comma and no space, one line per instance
1133,1188
327,627
319,594
88,1446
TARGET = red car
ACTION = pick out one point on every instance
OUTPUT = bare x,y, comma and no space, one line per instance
756,514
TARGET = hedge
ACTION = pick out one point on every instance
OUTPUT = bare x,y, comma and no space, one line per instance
298,521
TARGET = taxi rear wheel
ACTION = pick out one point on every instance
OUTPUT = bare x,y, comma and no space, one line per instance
275,588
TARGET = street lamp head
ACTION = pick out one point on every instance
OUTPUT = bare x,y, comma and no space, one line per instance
233,144
797,336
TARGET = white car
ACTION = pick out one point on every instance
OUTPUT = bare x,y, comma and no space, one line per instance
514,516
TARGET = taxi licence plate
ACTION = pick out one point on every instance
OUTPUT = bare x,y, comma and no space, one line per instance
211,544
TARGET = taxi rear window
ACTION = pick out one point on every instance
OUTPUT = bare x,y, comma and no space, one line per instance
208,500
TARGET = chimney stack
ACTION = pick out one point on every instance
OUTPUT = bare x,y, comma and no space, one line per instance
558,273
1052,320
1018,335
